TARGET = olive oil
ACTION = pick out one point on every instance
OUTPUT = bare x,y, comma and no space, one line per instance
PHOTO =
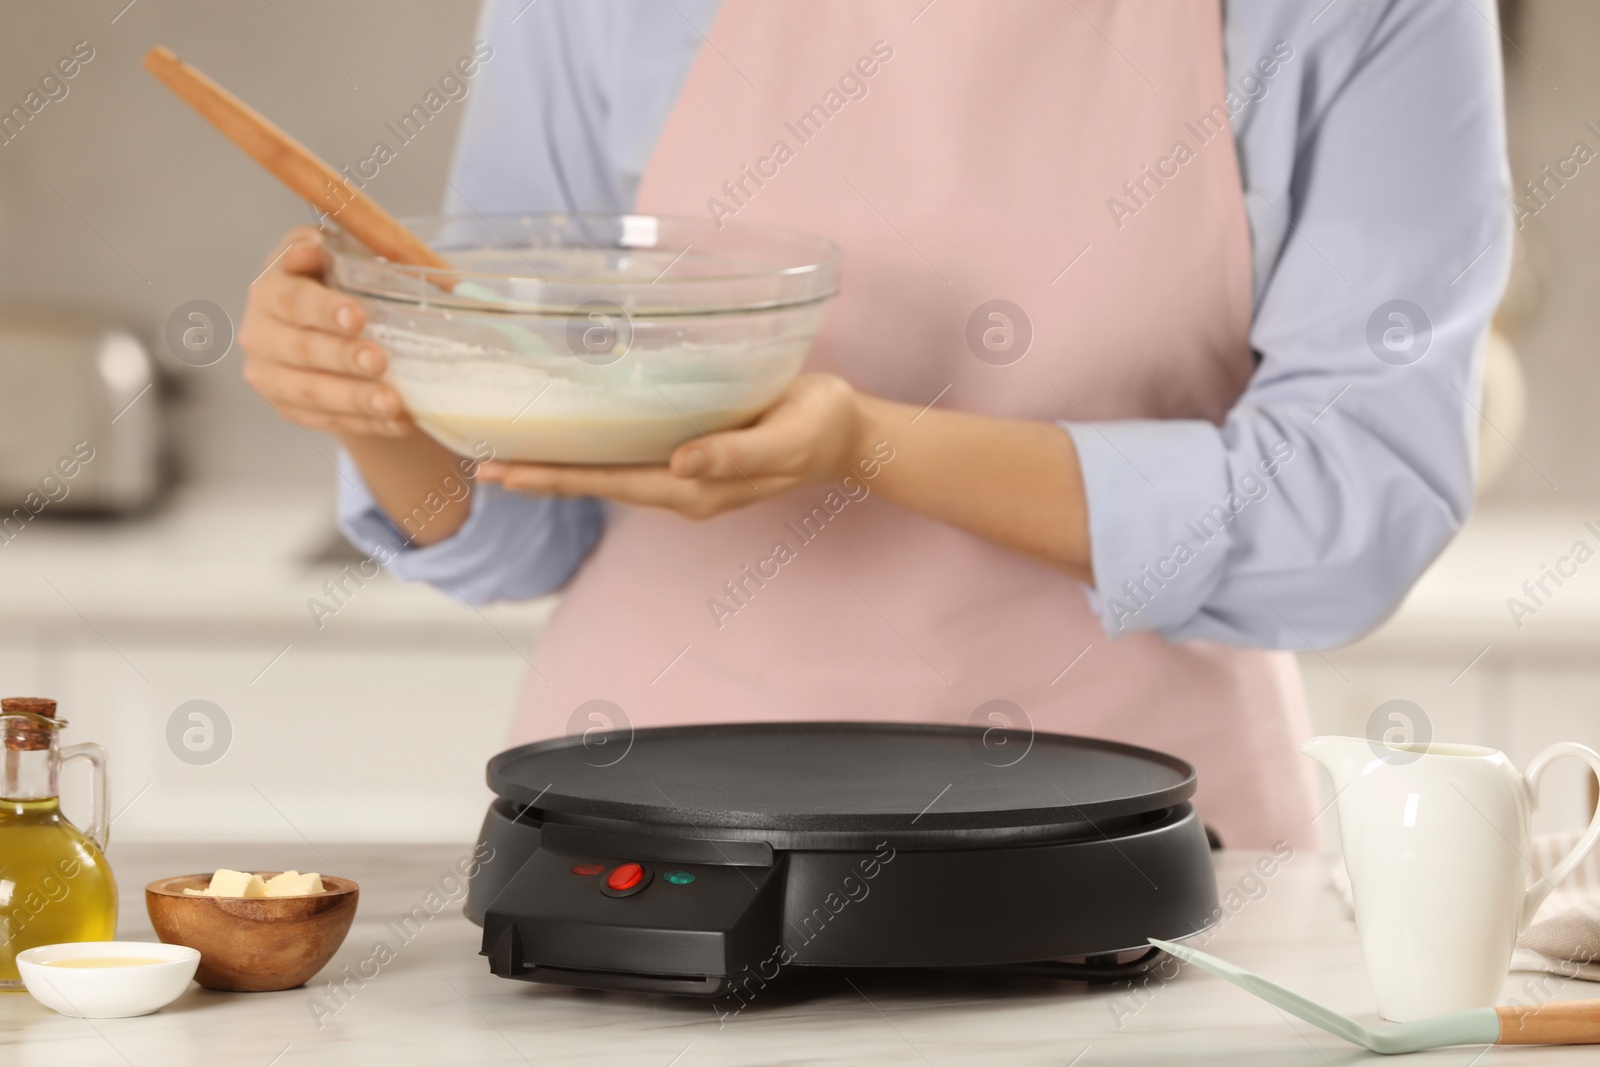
55,884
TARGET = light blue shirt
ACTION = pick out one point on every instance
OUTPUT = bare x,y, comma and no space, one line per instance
1374,173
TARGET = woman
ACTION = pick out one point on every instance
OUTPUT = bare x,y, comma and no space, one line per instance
1158,337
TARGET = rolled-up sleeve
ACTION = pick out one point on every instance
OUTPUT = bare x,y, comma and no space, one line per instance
1376,186
512,546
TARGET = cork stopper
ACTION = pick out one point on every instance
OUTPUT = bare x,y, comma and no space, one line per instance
24,736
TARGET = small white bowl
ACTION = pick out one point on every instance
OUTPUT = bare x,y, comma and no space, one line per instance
107,992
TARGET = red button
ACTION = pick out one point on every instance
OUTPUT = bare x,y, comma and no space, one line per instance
588,869
624,877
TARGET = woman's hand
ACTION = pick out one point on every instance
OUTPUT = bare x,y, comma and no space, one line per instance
1015,482
304,353
812,433
303,350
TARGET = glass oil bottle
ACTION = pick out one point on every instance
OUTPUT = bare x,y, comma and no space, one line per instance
55,884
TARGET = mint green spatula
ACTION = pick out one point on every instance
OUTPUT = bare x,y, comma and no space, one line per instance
1573,1022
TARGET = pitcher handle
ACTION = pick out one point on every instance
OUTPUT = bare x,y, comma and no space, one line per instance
99,828
1546,884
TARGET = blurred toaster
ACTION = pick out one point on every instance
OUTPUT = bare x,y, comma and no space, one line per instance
80,416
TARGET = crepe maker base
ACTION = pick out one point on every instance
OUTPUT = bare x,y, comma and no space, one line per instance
709,860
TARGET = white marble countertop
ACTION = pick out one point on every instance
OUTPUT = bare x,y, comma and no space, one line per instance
436,1002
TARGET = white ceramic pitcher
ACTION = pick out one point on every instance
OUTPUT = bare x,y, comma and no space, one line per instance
1436,841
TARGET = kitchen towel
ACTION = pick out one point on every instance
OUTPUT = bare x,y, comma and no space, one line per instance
1564,937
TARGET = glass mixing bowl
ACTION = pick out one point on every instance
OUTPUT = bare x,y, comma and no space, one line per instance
590,338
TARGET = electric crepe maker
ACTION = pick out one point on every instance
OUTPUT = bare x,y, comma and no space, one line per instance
696,860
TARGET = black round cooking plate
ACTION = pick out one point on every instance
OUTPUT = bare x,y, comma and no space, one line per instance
824,777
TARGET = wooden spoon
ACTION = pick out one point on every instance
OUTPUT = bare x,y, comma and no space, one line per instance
293,164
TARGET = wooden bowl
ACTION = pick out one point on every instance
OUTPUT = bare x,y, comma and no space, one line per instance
253,944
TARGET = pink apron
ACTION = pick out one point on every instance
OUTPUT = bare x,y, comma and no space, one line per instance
974,162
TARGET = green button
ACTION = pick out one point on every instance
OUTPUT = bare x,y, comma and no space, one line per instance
678,877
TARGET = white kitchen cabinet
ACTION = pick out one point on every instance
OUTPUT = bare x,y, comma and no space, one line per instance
19,669
377,725
1345,694
374,726
1552,704
346,742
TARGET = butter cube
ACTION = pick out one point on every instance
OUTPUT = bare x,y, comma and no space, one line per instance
226,883
294,884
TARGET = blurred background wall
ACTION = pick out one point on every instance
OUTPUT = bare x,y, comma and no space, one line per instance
196,218
1553,90
119,204
117,201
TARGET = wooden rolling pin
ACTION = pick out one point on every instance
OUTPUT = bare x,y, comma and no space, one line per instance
292,163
